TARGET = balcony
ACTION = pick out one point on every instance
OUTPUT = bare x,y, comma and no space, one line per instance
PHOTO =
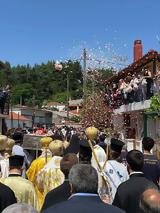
131,96
135,106
132,88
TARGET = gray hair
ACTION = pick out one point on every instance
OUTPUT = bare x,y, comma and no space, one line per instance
150,200
83,178
19,208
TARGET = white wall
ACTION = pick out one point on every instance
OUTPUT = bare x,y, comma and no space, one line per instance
153,127
137,123
60,108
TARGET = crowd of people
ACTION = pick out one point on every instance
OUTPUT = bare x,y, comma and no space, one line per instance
75,173
134,88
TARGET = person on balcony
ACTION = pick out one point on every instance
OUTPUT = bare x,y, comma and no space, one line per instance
143,86
130,92
122,87
135,83
149,80
157,82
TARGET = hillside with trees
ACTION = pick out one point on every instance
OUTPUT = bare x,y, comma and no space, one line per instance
34,85
38,84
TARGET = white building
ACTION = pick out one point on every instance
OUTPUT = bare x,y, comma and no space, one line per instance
54,106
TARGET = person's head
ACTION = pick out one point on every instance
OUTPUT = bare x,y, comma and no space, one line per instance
16,162
19,208
150,201
67,162
3,143
116,134
81,134
135,160
17,137
8,150
115,148
10,144
85,152
56,147
83,178
147,143
113,155
102,137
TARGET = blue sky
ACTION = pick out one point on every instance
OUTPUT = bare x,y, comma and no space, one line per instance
35,31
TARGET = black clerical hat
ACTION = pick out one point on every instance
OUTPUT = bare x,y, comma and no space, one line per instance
116,145
73,146
16,161
85,152
17,137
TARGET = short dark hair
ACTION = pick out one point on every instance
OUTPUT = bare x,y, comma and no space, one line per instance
147,143
135,160
114,155
17,136
67,162
150,201
102,137
83,178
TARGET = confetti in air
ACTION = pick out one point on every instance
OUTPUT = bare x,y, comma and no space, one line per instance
158,38
101,54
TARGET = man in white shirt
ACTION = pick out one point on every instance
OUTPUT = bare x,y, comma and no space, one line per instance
115,171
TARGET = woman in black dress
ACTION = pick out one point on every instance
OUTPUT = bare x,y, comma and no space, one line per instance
149,80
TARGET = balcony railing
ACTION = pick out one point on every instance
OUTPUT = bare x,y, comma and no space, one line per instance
126,95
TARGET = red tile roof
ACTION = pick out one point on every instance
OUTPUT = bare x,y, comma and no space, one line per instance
74,112
17,117
132,68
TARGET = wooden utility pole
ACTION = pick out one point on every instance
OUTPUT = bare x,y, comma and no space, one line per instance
84,74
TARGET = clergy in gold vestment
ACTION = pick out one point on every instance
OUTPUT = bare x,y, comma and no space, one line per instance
4,162
51,176
23,189
33,170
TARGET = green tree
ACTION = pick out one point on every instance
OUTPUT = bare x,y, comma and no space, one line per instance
44,82
22,93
